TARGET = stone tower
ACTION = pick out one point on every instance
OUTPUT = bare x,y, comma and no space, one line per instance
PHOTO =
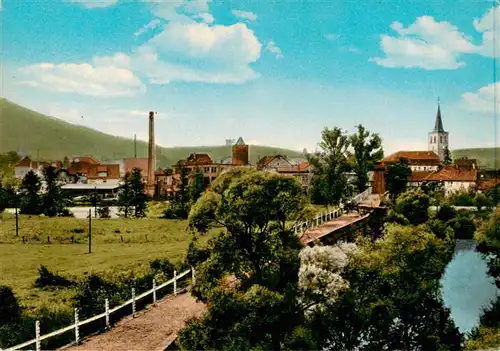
240,153
438,138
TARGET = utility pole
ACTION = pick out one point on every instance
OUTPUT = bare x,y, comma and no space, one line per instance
95,201
90,230
17,222
135,145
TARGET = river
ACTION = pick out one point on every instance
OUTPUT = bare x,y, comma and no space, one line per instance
466,287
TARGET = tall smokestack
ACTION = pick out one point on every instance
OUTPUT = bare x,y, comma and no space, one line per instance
151,155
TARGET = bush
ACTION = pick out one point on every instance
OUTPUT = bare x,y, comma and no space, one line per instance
47,278
446,213
92,293
103,212
481,200
164,266
10,310
463,227
461,198
414,205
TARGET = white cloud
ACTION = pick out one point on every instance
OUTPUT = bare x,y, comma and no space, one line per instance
94,3
271,47
483,99
425,44
197,52
254,142
245,15
205,17
106,76
332,36
485,26
151,25
1,6
179,10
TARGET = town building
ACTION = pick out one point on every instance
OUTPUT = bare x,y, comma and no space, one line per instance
281,164
26,164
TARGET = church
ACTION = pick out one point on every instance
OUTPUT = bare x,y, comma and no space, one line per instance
427,166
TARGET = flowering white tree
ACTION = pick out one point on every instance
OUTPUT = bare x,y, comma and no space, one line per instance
320,274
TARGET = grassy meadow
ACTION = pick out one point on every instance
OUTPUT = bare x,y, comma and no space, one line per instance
67,253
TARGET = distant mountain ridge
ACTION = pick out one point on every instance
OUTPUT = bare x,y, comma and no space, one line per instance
33,133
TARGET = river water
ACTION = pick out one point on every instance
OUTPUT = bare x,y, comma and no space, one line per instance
466,287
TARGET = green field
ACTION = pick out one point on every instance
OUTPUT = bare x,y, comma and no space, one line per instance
54,139
19,262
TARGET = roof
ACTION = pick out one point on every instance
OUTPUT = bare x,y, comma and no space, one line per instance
419,176
112,171
80,186
466,163
438,126
487,184
83,159
28,162
454,173
240,142
414,157
196,159
130,163
263,162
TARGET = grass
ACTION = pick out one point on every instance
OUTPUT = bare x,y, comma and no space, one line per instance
54,139
143,241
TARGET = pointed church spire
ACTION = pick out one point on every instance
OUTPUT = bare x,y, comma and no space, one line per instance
438,127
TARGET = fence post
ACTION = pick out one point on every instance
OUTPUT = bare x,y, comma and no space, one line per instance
77,332
107,312
175,282
193,278
37,335
154,291
133,302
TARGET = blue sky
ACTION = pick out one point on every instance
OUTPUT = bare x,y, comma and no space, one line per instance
274,73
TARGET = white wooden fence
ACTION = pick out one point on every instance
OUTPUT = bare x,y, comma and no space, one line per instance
327,216
107,311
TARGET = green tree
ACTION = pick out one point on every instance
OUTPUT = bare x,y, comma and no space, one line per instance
367,151
53,200
481,201
132,197
31,202
447,156
329,183
396,177
394,300
181,202
8,197
197,186
414,205
249,280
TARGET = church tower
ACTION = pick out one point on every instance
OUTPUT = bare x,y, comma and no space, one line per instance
438,138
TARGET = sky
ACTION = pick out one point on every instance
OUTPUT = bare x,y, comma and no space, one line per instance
273,72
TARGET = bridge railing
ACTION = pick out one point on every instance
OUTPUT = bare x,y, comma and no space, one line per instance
327,216
106,314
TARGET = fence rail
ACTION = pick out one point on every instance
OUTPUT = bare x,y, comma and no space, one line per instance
327,216
75,326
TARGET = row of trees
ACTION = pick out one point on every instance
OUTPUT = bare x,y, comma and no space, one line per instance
265,292
189,190
31,200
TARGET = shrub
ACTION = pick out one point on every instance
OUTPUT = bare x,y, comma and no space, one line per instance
92,293
103,212
47,278
481,200
10,310
162,265
463,227
446,213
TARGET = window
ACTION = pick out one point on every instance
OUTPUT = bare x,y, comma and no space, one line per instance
430,140
207,169
440,138
214,169
102,174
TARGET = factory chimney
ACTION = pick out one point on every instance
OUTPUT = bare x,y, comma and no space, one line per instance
151,156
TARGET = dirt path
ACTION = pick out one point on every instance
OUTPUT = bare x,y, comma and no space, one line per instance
150,330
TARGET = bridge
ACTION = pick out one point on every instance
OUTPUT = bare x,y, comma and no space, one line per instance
355,210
